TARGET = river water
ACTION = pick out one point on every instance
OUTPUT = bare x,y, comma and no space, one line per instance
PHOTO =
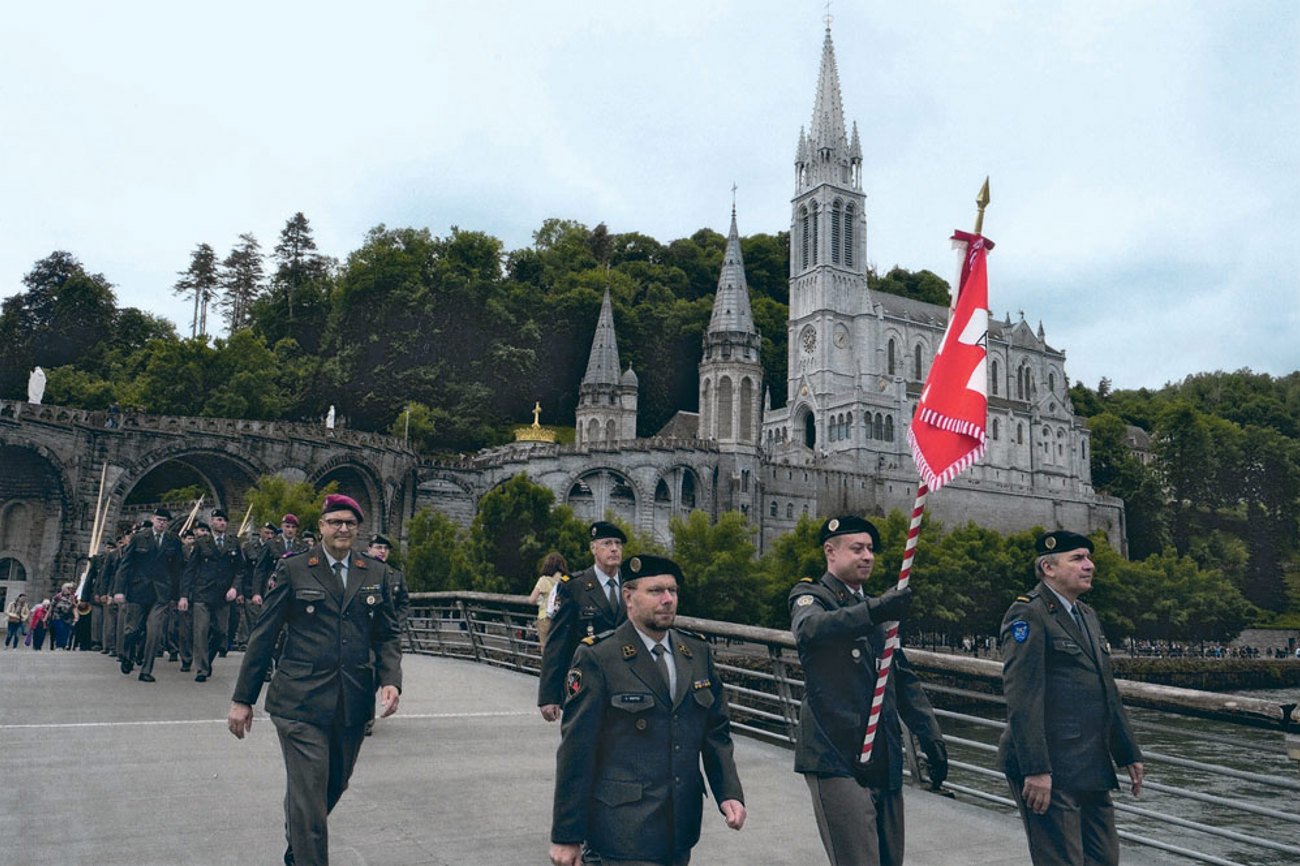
1254,750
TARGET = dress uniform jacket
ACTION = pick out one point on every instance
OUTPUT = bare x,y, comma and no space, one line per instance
1064,714
582,610
210,573
325,672
838,647
628,779
268,557
147,571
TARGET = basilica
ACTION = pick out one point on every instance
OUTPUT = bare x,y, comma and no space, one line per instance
857,362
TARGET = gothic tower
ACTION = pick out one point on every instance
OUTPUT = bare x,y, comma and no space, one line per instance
828,261
606,400
731,375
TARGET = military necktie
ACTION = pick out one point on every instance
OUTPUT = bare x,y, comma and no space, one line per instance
221,543
661,662
612,586
1078,620
338,572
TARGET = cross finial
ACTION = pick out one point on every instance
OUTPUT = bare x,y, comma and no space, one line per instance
733,196
829,16
537,413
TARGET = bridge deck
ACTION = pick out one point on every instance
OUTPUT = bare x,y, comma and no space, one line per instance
100,768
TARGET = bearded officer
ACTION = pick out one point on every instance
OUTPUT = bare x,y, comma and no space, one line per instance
839,632
586,604
645,707
341,643
1065,722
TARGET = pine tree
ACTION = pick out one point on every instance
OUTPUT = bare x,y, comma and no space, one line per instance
200,279
241,281
296,260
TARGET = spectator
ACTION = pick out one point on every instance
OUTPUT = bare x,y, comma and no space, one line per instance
553,568
62,614
37,625
16,613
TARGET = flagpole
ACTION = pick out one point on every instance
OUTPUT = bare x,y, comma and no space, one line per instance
194,512
243,524
96,527
885,663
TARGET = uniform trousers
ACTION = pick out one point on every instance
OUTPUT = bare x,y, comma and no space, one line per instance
132,630
591,858
184,624
859,826
156,625
317,763
99,612
209,633
1078,828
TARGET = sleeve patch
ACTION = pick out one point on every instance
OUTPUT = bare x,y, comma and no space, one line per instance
574,683
803,601
1020,630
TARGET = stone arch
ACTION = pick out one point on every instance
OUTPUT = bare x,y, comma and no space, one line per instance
225,475
38,515
358,480
596,490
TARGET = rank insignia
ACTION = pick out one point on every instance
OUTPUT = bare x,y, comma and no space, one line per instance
701,684
1020,630
359,564
1022,598
682,648
628,650
313,561
574,683
804,601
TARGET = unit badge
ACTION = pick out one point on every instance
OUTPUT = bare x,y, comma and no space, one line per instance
803,601
1020,630
574,683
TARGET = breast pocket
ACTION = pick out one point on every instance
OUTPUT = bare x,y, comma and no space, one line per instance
307,602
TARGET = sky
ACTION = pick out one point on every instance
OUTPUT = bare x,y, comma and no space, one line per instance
1144,158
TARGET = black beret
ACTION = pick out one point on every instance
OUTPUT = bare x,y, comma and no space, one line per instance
647,565
379,539
849,524
202,525
600,529
189,533
162,512
217,512
1061,541
271,526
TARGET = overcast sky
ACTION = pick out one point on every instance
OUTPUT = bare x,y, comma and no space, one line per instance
1144,156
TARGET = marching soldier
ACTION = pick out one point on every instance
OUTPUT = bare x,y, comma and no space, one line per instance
586,604
276,549
1065,722
211,582
645,707
143,584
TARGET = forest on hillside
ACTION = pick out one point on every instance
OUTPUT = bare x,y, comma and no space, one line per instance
461,337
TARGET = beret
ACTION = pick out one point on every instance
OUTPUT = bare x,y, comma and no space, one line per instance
1061,541
217,512
339,502
291,519
647,565
849,524
380,539
600,529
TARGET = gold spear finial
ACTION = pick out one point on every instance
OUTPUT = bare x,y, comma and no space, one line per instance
981,201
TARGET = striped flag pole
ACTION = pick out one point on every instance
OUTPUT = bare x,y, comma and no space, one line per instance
891,638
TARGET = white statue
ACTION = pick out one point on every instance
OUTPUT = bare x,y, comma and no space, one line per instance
36,386
329,419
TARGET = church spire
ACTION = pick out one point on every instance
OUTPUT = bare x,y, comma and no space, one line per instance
827,129
731,310
602,366
827,154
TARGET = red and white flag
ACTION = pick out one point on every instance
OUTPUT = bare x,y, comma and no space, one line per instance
948,430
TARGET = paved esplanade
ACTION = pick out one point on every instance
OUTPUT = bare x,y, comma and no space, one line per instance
98,768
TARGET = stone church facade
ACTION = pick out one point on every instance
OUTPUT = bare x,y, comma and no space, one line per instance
857,363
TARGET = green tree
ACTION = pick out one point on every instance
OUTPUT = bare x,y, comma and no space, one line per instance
436,554
201,280
515,527
792,557
721,580
274,496
242,282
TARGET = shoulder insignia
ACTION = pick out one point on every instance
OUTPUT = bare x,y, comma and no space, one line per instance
1020,630
590,640
628,650
805,580
842,595
1022,598
804,600
688,633
573,684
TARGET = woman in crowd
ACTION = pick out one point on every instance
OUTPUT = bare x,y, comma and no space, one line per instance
553,568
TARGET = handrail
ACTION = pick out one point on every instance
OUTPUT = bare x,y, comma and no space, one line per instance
764,685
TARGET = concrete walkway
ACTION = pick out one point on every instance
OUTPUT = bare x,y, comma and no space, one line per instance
98,768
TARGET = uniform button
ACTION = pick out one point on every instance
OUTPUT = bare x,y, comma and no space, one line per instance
640,724
677,780
677,748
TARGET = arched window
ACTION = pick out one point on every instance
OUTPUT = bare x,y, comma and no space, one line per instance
836,221
593,431
803,239
916,362
724,408
889,428
993,377
746,410
1020,434
688,490
889,358
809,430
995,429
1051,383
789,510
816,233
772,510
848,426
848,236
880,426
866,425
611,432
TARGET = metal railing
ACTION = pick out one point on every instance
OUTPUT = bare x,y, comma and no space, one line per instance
1199,810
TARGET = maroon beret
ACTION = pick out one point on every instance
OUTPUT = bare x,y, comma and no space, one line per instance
339,502
292,519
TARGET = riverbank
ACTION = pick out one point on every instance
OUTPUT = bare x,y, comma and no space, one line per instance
1210,674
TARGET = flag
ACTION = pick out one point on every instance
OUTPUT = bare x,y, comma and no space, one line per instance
948,430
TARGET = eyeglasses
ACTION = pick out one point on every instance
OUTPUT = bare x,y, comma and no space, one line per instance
340,524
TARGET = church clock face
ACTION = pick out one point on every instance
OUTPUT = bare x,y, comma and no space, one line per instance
841,338
808,339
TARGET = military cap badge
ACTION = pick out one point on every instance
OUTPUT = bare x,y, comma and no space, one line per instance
634,565
1049,542
833,525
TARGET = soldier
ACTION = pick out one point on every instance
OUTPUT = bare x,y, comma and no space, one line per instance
839,634
1065,722
93,592
144,583
211,582
644,706
586,604
272,552
380,547
341,643
248,611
